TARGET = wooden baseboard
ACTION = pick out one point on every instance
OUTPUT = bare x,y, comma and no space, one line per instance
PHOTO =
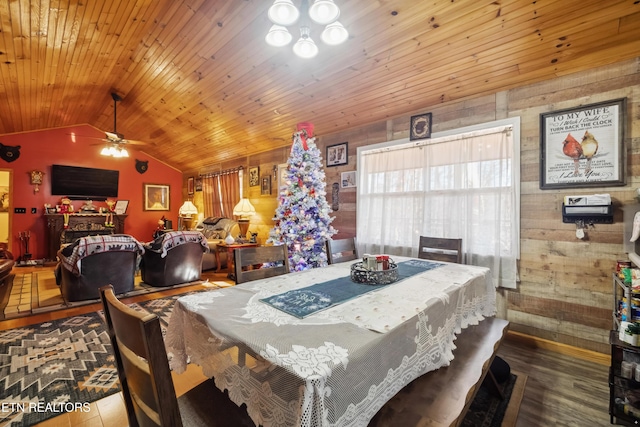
588,355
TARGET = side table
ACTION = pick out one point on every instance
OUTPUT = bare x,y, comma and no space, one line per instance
221,247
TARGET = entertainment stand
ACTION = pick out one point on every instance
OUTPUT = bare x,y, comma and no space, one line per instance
80,225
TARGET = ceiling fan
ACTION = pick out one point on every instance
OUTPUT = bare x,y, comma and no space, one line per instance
115,137
115,142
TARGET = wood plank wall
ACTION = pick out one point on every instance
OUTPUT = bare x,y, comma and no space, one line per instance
565,292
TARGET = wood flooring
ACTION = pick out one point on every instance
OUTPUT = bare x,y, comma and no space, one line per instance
561,389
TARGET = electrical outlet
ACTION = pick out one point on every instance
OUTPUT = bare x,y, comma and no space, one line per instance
34,210
19,210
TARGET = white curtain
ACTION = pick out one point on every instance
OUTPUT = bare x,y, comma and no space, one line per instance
460,186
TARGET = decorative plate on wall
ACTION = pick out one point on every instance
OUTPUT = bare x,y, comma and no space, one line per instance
420,127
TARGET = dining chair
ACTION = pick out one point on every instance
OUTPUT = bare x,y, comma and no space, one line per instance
145,378
260,262
341,250
440,249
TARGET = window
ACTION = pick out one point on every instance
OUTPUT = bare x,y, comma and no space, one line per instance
462,185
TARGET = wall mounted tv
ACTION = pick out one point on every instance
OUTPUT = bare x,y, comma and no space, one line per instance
80,183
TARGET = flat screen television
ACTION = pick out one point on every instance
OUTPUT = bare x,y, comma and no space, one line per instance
80,183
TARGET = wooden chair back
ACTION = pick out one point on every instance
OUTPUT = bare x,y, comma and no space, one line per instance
248,262
341,250
143,368
440,249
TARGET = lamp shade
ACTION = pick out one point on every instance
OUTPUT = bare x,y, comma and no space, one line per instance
188,209
278,36
283,12
305,47
335,33
244,209
324,12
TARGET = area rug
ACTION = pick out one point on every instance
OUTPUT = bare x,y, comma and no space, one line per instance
60,366
37,292
488,410
63,365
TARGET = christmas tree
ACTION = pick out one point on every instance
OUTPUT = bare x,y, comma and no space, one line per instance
302,220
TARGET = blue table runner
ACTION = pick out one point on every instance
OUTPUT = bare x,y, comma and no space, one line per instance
306,301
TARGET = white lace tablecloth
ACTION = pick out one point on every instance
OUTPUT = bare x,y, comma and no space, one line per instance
336,367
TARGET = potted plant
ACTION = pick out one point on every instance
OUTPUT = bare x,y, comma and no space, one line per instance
632,333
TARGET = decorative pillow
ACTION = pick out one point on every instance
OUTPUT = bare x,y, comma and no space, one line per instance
211,234
211,220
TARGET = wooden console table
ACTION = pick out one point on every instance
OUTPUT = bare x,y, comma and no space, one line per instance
80,225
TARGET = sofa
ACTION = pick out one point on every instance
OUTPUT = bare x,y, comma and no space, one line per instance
95,261
173,258
215,230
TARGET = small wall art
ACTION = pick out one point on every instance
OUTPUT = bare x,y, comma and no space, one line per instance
156,197
190,185
337,154
348,179
420,127
254,176
265,185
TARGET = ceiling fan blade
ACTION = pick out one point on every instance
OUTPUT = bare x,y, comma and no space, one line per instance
133,142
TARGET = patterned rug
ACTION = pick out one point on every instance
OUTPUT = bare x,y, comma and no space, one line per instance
37,292
60,366
63,365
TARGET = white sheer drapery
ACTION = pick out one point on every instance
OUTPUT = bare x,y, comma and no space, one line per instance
460,186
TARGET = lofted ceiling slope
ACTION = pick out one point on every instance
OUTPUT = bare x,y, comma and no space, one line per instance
200,86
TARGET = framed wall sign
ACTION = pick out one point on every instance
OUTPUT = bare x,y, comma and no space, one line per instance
155,197
583,146
265,185
121,207
420,127
254,176
282,175
348,179
190,185
337,154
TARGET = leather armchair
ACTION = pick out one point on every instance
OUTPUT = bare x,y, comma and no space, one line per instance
173,258
95,261
215,230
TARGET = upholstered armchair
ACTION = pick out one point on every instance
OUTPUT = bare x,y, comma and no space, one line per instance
215,230
173,258
95,261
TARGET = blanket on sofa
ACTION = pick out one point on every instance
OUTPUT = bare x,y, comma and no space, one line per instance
71,256
162,244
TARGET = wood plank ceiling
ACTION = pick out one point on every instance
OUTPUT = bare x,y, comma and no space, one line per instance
200,86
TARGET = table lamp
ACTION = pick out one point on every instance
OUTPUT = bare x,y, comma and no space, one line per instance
244,209
186,211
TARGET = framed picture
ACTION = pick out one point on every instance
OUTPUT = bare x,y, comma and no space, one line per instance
155,197
121,207
265,185
348,179
420,127
583,146
254,176
199,184
282,175
4,199
190,185
337,154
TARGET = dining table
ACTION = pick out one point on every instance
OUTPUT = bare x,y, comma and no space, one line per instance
313,348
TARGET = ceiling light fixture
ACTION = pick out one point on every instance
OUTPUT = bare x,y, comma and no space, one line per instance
114,151
284,13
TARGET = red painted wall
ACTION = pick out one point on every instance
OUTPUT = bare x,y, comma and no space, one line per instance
39,150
